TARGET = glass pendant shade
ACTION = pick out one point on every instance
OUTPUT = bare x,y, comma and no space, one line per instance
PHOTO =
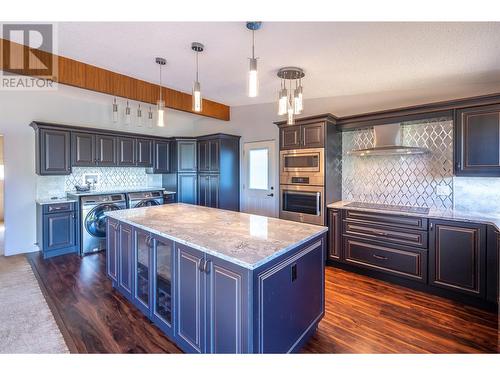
150,118
128,117
282,103
115,111
197,99
160,119
290,119
298,104
253,79
139,116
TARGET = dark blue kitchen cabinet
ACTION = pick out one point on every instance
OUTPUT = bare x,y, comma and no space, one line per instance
126,260
106,150
57,229
211,303
53,152
144,149
190,299
112,249
161,157
163,277
187,188
83,149
280,318
126,152
227,306
186,155
143,256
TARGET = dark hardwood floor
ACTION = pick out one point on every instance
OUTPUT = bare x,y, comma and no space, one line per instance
363,315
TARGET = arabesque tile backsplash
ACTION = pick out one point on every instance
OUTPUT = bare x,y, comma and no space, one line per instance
109,178
410,180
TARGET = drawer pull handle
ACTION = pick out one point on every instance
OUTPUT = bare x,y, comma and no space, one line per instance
379,257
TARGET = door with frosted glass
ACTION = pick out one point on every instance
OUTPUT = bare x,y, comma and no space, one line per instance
259,194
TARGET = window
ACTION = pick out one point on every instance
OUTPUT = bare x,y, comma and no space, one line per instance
258,174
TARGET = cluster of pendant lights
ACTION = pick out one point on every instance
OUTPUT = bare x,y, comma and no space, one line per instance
290,100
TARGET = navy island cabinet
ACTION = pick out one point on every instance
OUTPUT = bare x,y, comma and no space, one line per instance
206,304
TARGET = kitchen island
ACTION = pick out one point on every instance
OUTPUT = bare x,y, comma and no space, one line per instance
217,281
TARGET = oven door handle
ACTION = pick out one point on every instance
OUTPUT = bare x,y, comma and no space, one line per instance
318,203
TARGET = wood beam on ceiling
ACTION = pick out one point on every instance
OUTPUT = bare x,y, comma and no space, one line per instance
85,76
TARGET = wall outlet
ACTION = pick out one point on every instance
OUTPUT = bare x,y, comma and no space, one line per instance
443,190
90,179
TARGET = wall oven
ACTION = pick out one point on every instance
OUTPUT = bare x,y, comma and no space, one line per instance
303,166
303,203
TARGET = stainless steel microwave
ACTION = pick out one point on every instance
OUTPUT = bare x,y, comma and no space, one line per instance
303,166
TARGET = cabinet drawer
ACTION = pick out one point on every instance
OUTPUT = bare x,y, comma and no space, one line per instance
58,207
409,264
412,222
385,233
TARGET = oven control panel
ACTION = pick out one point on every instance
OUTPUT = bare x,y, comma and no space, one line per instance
300,180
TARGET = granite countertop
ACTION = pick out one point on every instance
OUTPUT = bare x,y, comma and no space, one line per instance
458,215
244,239
44,201
114,191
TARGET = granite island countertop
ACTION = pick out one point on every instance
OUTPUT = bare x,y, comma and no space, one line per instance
457,215
244,239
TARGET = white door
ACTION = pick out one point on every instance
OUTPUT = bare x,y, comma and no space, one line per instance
259,177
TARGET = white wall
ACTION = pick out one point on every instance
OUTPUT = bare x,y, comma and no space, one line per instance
66,106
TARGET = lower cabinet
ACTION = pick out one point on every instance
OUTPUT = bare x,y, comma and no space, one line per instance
208,190
457,256
112,249
456,259
187,188
211,303
206,304
57,229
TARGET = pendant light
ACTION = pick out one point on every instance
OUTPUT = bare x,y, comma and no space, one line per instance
115,111
150,118
139,116
128,116
160,119
253,80
290,102
197,99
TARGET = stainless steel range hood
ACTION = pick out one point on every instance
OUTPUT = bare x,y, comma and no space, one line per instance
388,142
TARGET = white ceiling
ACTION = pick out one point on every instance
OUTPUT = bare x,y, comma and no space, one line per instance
340,59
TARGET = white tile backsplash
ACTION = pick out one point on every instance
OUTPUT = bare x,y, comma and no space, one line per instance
108,178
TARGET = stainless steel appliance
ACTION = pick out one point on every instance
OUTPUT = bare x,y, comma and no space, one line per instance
302,179
145,199
302,203
302,167
93,219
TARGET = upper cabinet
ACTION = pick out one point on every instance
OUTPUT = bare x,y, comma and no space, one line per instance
144,155
208,155
126,152
53,152
302,136
161,157
106,150
83,150
477,141
186,156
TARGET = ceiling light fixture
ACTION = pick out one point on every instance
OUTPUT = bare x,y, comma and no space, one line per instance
127,114
197,99
160,120
115,111
253,80
290,102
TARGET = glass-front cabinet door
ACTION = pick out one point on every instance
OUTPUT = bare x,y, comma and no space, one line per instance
162,283
142,289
